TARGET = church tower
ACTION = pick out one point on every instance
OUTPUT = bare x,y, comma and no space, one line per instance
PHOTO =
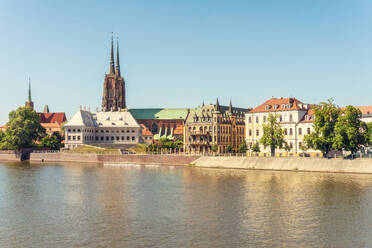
113,98
29,102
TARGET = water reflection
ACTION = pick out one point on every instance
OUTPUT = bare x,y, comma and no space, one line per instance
92,206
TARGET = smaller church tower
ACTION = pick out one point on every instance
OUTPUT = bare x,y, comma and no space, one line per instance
29,102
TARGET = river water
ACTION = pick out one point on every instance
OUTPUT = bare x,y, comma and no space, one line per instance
77,205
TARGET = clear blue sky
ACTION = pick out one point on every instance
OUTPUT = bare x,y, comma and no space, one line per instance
179,53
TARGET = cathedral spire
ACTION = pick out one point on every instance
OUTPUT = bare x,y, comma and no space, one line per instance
230,107
112,61
29,90
117,72
29,102
217,105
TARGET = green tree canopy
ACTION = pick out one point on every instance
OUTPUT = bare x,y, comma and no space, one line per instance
368,134
23,128
349,130
243,147
214,148
326,116
52,142
229,148
256,147
272,134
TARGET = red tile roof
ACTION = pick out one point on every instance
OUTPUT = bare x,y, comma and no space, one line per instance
280,104
59,117
366,110
146,131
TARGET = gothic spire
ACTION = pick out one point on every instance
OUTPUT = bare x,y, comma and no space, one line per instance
112,61
230,107
117,58
217,105
29,90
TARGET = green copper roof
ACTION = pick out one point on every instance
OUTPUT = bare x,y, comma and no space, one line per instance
159,113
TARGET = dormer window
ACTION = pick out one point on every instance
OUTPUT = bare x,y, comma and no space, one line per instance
268,107
283,106
108,118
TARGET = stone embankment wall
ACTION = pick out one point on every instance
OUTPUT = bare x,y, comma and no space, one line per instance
295,164
10,156
99,158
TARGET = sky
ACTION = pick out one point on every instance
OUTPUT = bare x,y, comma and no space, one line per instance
180,53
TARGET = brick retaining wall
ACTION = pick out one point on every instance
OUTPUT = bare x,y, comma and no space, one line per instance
10,156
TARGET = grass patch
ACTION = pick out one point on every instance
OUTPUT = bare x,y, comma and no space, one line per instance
138,149
94,150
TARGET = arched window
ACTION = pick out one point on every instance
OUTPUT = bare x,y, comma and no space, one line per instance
290,131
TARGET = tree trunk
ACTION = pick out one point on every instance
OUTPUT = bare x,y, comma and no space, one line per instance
272,150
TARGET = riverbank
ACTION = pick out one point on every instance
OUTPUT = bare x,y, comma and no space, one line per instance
113,158
287,164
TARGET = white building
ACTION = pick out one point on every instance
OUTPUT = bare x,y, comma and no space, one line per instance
295,117
366,113
102,128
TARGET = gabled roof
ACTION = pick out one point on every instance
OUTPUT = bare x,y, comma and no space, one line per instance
58,117
103,119
366,110
145,131
280,104
178,130
159,113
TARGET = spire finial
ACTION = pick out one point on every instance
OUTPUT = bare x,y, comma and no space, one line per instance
117,57
230,106
217,105
112,61
29,89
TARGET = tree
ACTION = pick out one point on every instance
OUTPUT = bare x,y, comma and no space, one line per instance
368,134
53,142
214,148
325,118
23,128
256,147
272,134
243,147
229,148
349,130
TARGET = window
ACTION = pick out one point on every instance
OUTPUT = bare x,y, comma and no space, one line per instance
122,137
257,132
127,131
264,119
249,119
300,131
281,118
107,138
112,137
290,131
69,130
69,137
128,138
74,130
101,137
79,130
300,144
285,131
78,137
133,131
250,132
256,119
290,117
308,130
96,138
133,138
107,131
291,145
117,138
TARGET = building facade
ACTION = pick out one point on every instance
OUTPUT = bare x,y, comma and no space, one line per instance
106,129
162,122
295,118
214,125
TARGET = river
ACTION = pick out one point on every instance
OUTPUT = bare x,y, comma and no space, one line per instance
79,205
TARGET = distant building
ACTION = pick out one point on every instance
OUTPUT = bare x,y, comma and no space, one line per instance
214,125
29,102
52,122
106,129
295,118
147,136
366,113
162,122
